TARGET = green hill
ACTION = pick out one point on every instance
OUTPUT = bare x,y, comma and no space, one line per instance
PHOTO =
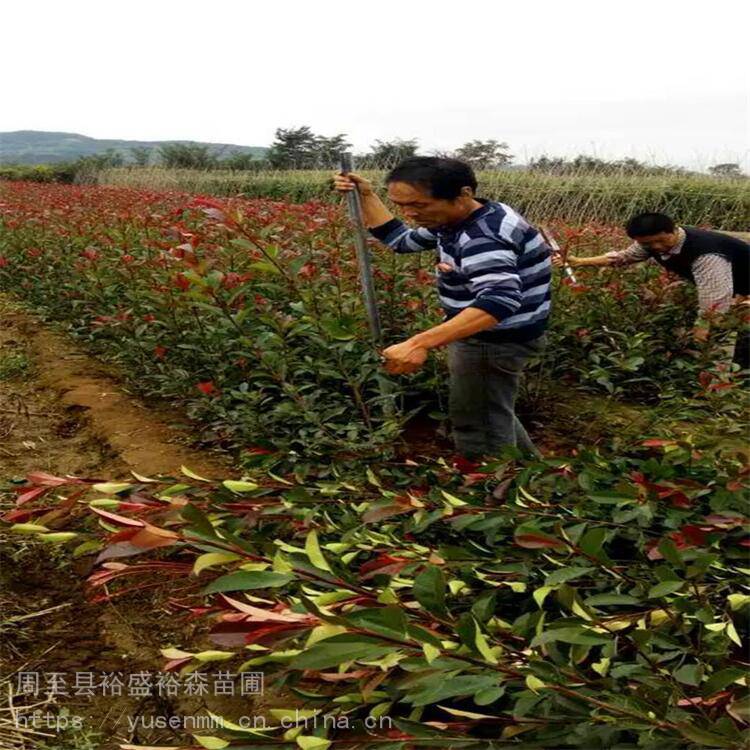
42,147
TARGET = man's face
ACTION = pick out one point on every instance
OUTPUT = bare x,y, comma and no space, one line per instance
659,243
419,207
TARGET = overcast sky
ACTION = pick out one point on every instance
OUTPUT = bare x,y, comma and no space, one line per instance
663,80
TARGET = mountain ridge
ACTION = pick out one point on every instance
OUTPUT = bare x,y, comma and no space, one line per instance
52,147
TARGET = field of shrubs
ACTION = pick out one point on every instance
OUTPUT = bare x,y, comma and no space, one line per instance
592,598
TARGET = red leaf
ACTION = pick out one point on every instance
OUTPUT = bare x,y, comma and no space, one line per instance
383,564
725,522
151,537
41,478
537,541
696,535
386,511
174,664
656,443
122,520
20,516
258,614
678,499
29,495
242,633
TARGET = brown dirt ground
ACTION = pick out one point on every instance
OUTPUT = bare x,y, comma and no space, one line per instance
64,413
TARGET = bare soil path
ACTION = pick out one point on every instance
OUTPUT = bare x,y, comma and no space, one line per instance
64,413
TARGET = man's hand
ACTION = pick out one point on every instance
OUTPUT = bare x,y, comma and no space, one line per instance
374,211
404,358
344,183
557,260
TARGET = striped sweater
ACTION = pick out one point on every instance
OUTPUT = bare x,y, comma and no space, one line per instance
500,264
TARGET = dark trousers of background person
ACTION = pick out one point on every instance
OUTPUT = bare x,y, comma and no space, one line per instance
742,351
484,380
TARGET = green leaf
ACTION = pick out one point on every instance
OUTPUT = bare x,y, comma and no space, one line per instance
210,743
430,652
239,487
722,679
58,536
566,574
198,521
112,488
534,683
212,558
689,674
488,695
740,709
664,588
85,548
541,594
313,551
248,580
737,601
670,552
703,737
576,635
480,641
308,742
340,649
28,528
204,656
733,634
591,543
429,590
390,622
434,691
604,600
611,498
188,473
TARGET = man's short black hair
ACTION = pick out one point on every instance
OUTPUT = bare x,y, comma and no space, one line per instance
644,225
440,177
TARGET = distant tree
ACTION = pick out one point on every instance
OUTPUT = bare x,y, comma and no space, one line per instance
187,156
141,155
294,148
94,162
239,160
86,168
548,164
386,154
586,164
328,150
485,154
728,169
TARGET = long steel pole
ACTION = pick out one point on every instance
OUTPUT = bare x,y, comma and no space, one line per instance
363,253
354,203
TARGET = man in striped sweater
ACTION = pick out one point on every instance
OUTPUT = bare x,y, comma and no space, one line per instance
493,279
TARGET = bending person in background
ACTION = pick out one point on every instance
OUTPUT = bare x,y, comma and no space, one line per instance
718,265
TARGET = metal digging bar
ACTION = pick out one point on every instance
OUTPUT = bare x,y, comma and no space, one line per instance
364,262
363,254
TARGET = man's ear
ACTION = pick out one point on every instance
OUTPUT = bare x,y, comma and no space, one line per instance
467,192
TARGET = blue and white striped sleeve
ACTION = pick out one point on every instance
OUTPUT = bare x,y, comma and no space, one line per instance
491,265
401,239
